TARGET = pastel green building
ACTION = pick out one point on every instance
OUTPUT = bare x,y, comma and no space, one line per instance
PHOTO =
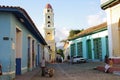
91,43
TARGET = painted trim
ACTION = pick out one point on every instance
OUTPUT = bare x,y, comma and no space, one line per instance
24,68
21,45
31,37
8,73
18,28
13,72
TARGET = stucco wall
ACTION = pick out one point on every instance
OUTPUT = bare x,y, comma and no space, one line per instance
8,25
102,35
5,44
113,20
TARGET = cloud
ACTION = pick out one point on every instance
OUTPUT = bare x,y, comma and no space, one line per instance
96,19
41,29
61,34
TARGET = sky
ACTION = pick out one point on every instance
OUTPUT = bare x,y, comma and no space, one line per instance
68,14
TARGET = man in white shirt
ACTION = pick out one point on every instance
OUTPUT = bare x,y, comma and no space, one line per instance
43,66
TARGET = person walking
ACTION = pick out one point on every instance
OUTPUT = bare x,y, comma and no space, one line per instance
43,66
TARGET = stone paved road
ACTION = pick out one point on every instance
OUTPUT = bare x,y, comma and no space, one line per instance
83,71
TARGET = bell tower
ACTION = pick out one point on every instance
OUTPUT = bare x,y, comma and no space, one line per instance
49,30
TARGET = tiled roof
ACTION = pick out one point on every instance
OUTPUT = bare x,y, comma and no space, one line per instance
29,24
48,6
91,30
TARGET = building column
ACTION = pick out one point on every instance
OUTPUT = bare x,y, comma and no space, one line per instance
113,32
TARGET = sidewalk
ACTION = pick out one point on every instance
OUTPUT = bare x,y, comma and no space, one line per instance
115,69
28,75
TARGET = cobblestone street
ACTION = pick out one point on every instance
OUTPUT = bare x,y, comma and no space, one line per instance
83,71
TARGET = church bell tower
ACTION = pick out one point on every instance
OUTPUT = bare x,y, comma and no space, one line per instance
49,30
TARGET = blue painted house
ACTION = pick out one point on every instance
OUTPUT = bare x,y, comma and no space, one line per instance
21,44
91,43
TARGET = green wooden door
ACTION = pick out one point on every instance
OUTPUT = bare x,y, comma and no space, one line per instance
97,48
89,49
79,49
73,51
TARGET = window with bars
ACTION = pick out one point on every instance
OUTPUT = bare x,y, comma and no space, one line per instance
97,48
73,51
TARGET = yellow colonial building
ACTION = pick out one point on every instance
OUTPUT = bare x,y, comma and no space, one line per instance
112,8
49,30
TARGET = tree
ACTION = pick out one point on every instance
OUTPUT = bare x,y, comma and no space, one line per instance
60,52
74,32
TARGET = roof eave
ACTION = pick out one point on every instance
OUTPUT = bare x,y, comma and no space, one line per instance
109,3
89,32
21,13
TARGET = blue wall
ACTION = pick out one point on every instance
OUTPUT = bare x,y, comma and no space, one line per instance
5,44
8,23
25,34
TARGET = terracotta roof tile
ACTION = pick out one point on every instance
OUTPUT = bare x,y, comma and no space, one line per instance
48,6
91,30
